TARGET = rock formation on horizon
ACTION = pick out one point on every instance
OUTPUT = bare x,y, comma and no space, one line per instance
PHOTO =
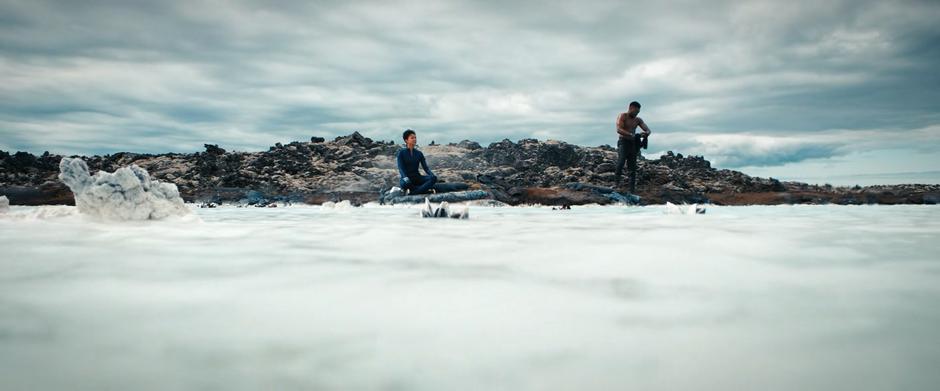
357,168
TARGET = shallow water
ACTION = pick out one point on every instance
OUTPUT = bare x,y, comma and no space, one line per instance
607,298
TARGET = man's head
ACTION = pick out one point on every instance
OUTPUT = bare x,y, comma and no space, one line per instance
410,138
633,109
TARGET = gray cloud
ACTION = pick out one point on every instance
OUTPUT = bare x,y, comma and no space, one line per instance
737,150
104,76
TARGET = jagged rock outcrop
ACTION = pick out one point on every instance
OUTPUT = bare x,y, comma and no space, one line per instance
359,169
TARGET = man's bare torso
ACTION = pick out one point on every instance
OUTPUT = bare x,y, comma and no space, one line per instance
624,121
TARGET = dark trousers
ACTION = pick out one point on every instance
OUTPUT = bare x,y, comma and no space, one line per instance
626,153
420,184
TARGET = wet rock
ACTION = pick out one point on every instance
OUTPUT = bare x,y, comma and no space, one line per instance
558,196
457,196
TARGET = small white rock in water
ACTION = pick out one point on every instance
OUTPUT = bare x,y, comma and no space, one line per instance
4,204
444,210
344,204
126,194
460,212
395,191
684,209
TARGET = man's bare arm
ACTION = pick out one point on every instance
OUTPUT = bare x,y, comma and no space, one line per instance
620,130
645,128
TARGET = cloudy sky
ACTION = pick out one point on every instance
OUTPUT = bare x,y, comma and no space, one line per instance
842,92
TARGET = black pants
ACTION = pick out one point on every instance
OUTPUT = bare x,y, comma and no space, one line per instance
626,153
420,184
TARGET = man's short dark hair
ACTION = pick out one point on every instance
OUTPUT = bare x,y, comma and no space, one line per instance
635,104
409,132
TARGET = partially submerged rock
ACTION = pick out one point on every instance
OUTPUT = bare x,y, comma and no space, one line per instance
610,193
396,197
685,209
628,199
445,210
573,194
344,204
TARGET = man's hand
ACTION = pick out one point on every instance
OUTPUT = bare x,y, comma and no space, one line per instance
406,180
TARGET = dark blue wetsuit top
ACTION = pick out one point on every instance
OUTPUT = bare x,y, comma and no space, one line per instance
408,161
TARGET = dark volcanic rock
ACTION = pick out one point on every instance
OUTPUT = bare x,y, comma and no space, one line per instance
353,139
358,169
213,149
471,145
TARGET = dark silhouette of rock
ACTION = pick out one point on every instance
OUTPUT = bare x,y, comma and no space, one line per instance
354,139
213,149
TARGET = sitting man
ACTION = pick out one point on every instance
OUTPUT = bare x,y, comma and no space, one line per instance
413,182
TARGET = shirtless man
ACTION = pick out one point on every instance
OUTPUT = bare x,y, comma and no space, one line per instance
626,146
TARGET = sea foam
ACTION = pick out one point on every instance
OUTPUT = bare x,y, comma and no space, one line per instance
126,194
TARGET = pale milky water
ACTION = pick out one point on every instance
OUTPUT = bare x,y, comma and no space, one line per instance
595,298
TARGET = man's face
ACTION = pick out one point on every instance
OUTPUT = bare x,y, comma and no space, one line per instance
412,140
633,111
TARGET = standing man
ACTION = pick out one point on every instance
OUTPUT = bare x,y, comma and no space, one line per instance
412,182
627,146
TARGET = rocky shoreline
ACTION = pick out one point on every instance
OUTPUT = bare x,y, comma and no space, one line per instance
359,169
